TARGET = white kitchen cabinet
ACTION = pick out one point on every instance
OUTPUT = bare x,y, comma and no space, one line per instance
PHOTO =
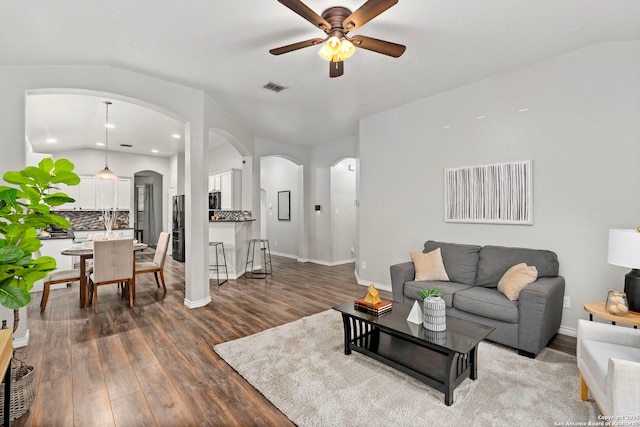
214,182
231,189
110,194
83,193
123,194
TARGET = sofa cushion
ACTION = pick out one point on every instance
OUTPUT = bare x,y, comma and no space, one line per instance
596,355
515,279
429,265
460,261
412,287
494,261
487,303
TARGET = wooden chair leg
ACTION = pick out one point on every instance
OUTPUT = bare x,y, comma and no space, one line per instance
164,286
45,297
155,274
584,389
95,297
132,290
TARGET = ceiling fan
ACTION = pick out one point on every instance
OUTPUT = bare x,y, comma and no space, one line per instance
337,22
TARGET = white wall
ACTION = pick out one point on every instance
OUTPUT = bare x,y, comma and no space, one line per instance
223,158
343,211
278,174
582,131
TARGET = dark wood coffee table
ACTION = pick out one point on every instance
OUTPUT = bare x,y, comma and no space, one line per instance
441,360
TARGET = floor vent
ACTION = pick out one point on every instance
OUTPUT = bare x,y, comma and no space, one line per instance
275,87
126,145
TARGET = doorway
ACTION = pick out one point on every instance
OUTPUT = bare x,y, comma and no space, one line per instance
147,212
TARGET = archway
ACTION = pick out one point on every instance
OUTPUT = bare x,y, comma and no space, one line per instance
282,176
343,210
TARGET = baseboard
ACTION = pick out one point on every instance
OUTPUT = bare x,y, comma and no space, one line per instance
328,263
22,341
380,286
284,255
572,332
197,304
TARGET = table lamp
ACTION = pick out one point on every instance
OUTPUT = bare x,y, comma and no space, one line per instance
624,251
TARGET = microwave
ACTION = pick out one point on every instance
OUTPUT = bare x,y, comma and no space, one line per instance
215,200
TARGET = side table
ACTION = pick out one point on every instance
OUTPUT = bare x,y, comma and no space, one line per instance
6,353
597,309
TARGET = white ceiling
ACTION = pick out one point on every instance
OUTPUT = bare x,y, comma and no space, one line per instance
222,48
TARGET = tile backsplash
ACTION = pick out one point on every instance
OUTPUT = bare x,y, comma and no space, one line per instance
91,220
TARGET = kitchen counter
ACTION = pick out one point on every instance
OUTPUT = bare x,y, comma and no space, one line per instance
232,220
234,234
57,236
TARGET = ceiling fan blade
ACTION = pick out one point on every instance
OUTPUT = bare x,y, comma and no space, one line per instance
336,69
307,13
380,46
295,46
366,13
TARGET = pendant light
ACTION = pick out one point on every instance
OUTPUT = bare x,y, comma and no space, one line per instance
106,173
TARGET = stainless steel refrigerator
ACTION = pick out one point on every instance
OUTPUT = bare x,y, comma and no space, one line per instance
178,246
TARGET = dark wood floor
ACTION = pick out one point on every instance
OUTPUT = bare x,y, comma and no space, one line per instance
154,365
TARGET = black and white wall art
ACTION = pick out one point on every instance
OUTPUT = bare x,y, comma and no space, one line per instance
499,193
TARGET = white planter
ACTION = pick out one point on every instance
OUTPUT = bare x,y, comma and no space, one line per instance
434,318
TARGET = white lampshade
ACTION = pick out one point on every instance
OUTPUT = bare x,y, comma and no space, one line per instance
624,248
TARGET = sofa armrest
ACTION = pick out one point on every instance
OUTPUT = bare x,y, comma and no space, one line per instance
623,392
401,273
540,313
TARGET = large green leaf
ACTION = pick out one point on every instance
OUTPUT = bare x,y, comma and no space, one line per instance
64,165
13,177
13,297
46,164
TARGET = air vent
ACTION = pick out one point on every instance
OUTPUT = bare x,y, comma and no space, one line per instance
275,87
126,145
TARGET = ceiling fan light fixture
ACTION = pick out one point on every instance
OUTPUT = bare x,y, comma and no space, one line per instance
336,52
347,49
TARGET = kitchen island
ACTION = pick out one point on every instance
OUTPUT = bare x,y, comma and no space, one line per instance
234,234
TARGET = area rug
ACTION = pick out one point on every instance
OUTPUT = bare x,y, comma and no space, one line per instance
301,368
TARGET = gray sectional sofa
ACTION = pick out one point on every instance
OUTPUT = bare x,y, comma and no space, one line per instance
474,271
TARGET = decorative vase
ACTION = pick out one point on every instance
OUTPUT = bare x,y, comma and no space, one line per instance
434,314
617,303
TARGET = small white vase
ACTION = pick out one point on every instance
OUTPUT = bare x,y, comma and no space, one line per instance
434,318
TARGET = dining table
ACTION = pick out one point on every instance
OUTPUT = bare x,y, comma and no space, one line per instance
85,253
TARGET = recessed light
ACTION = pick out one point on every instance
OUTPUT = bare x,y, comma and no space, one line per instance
51,140
100,143
481,117
522,110
109,125
446,126
176,136
154,151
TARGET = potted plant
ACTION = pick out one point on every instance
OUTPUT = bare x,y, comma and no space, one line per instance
434,318
25,205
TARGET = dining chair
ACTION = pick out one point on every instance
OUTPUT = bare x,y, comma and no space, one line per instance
112,263
54,278
157,265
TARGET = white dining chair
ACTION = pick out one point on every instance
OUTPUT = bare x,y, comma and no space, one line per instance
157,265
113,262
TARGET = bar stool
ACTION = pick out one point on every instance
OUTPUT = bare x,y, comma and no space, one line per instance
266,256
216,247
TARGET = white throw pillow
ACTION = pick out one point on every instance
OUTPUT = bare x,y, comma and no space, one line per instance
515,279
429,266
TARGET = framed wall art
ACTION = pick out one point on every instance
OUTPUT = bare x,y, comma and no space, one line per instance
499,193
284,205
